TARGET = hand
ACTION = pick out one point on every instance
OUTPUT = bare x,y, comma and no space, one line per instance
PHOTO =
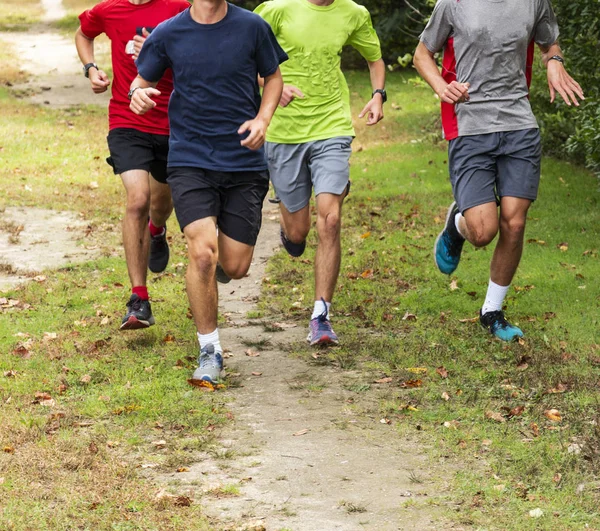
141,101
138,42
455,92
560,81
98,80
373,109
289,93
258,131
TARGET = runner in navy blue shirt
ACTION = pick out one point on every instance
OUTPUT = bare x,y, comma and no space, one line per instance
217,169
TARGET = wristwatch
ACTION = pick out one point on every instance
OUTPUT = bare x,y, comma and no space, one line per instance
131,91
86,69
557,58
382,92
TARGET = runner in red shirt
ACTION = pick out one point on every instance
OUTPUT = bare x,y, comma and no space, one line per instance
138,145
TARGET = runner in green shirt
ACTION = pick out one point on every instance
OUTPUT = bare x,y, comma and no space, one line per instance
308,141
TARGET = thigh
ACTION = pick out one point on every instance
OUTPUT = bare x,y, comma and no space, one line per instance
130,149
240,216
519,164
329,165
195,194
234,255
136,182
158,166
473,171
289,174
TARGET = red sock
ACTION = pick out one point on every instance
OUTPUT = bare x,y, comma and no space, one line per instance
155,231
141,292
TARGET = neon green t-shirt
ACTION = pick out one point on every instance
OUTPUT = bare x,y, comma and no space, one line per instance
313,37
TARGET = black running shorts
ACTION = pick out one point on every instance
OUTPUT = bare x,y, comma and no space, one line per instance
131,149
234,198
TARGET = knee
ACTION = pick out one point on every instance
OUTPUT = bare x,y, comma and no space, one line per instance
296,233
203,257
236,271
138,205
161,204
513,228
482,236
329,224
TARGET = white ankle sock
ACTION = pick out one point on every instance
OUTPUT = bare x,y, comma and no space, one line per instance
318,309
494,297
213,337
457,219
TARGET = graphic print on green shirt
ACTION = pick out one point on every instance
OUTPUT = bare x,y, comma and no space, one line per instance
313,37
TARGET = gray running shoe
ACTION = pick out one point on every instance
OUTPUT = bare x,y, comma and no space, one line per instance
210,365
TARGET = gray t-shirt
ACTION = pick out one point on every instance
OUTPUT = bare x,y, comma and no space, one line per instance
489,44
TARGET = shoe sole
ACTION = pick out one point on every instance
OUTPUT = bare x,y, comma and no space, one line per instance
133,323
323,341
448,214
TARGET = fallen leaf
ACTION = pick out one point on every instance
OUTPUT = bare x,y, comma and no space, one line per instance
183,469
574,448
486,442
385,421
454,285
252,353
560,388
535,429
553,415
168,338
442,372
417,370
452,424
92,448
159,444
536,513
410,384
284,326
384,380
409,317
8,450
256,373
112,444
365,235
301,432
86,379
557,478
445,396
499,488
367,273
10,374
564,246
492,415
516,411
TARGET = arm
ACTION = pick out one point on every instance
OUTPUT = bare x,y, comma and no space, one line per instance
85,48
374,108
141,95
273,87
558,78
425,64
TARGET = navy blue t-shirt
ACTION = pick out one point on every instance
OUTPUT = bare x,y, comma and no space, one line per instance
215,68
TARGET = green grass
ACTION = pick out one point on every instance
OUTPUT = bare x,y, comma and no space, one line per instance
17,15
71,458
399,198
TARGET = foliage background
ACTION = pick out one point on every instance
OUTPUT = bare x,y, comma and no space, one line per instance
567,133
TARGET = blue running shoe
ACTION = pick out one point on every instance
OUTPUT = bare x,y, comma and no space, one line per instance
448,245
499,326
320,331
293,249
210,365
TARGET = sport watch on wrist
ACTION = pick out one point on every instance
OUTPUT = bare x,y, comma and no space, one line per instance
131,91
383,94
86,69
557,58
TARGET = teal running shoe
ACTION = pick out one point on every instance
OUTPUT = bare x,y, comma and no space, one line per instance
499,326
448,245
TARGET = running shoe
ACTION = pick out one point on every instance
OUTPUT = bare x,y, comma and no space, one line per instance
320,331
222,277
210,365
293,249
499,326
159,253
449,243
139,314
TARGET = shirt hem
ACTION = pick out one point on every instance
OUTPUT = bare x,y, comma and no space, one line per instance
138,127
212,167
311,138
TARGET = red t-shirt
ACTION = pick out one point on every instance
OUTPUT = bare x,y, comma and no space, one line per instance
120,20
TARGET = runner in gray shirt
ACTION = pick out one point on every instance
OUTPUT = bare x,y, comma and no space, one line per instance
494,148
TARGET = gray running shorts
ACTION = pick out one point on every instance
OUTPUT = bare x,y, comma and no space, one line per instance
298,168
494,165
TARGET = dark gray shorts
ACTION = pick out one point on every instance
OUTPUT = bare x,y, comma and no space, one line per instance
296,169
486,167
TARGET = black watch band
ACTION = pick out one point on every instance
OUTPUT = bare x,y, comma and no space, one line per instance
86,68
557,58
131,91
382,92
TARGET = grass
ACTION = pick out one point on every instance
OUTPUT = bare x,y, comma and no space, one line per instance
398,317
17,15
82,403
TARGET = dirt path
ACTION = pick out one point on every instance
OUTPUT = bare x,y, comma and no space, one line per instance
305,452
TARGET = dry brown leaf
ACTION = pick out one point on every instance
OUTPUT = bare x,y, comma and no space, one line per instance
454,285
86,379
535,429
365,235
564,246
384,380
452,424
168,338
252,353
553,415
445,396
410,384
557,478
409,317
256,373
385,421
493,415
301,432
560,388
8,450
442,372
367,273
112,444
516,411
183,469
159,444
10,374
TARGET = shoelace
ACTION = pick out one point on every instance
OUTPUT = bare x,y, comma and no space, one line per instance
206,357
322,321
135,304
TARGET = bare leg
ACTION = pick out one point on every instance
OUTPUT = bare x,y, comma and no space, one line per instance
136,238
161,204
507,255
480,224
328,257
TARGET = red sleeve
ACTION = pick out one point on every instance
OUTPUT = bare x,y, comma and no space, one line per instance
92,21
183,5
